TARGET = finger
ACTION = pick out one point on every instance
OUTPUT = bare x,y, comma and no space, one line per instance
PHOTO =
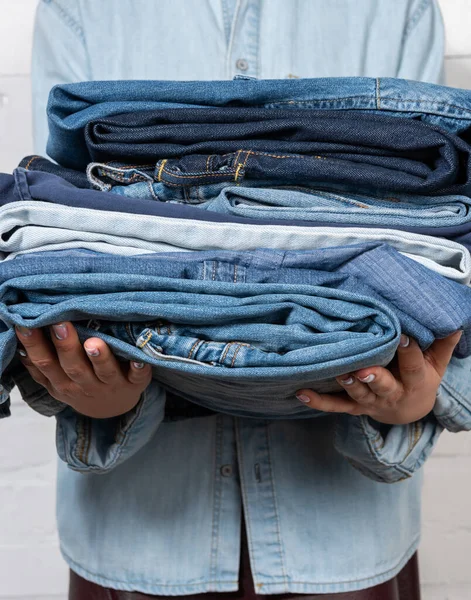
441,351
329,403
104,364
36,374
410,362
140,374
380,381
42,356
71,354
358,391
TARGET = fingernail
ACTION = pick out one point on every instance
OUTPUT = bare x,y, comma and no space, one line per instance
60,331
405,341
303,398
347,381
368,379
23,331
138,365
22,353
92,350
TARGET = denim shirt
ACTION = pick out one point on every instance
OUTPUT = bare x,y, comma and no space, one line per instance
172,492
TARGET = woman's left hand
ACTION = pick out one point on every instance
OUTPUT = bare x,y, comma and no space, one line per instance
404,394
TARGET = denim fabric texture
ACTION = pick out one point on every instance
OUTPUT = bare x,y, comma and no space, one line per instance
183,485
39,163
26,185
367,151
72,106
271,322
32,226
264,202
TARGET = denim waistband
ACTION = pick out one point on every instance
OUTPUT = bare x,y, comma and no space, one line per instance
367,151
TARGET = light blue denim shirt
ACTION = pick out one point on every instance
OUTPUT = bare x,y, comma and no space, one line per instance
164,515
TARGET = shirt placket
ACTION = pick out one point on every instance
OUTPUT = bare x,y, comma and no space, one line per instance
225,546
264,535
243,47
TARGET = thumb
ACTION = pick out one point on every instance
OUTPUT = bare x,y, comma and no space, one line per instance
140,374
440,352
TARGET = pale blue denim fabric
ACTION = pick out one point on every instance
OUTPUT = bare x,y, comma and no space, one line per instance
37,226
251,377
288,203
269,316
269,467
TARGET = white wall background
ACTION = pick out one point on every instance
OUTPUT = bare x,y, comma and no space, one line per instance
30,564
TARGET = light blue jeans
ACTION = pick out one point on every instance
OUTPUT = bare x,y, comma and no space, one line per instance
30,226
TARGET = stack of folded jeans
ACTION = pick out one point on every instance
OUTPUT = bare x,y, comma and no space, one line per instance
246,238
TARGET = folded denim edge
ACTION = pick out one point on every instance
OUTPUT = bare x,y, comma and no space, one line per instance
386,457
451,411
453,404
97,446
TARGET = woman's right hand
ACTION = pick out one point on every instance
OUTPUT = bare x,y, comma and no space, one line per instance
88,378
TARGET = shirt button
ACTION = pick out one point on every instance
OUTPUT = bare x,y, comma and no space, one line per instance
226,470
242,64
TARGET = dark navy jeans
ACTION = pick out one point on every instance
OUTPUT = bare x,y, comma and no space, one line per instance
359,150
72,106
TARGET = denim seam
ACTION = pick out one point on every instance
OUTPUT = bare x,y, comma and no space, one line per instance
415,18
458,397
192,349
422,454
67,19
376,455
197,175
370,473
245,500
165,585
162,165
275,503
126,428
31,160
237,350
80,441
226,350
215,513
465,111
22,184
151,191
143,581
88,433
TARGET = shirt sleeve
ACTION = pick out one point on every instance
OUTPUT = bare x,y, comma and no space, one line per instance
422,56
59,56
90,445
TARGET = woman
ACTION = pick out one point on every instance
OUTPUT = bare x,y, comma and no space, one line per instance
167,520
